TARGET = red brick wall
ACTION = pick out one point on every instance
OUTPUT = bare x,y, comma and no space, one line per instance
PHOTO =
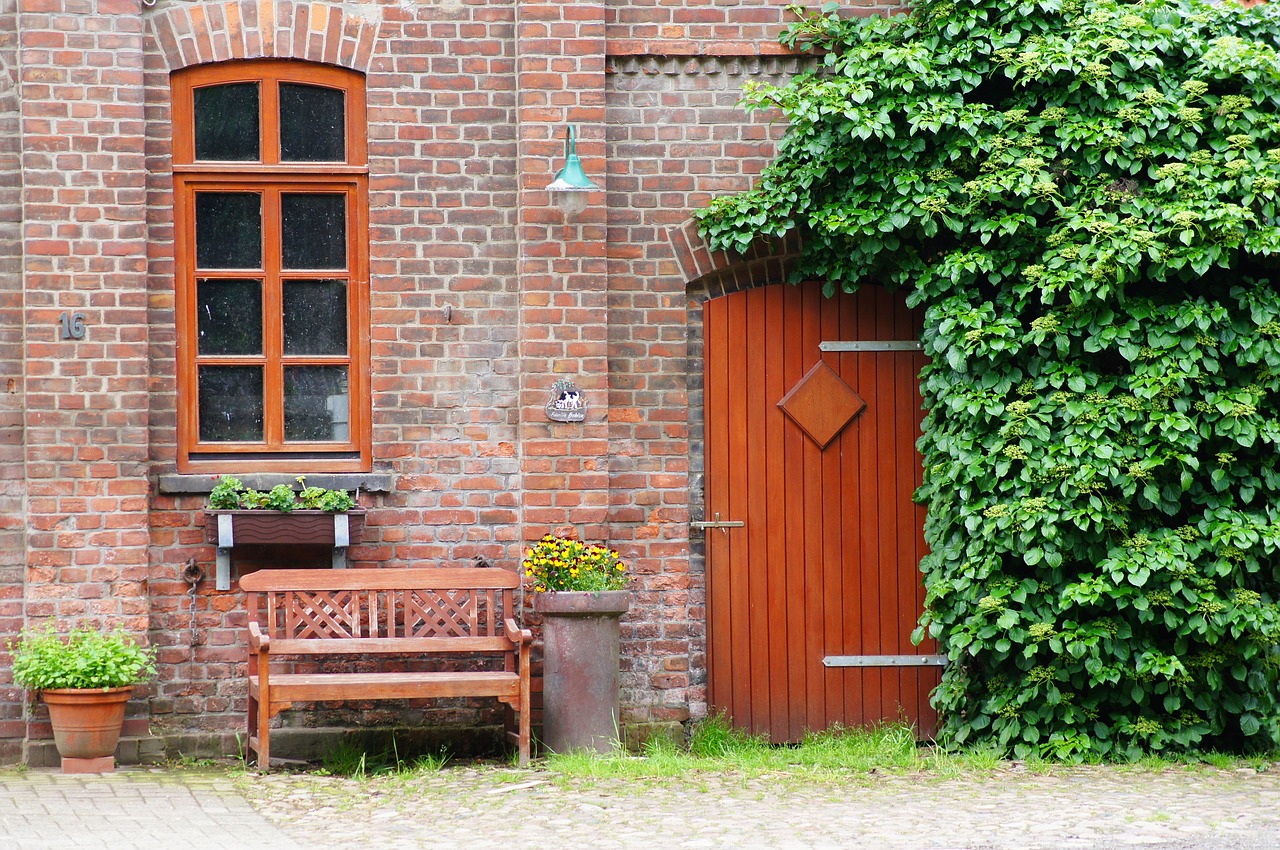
677,139
444,305
12,487
482,295
83,210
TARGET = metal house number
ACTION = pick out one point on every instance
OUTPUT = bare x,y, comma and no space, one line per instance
72,325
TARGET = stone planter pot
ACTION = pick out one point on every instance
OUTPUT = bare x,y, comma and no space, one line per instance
86,726
580,633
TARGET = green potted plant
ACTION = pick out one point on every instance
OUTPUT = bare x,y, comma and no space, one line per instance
85,679
282,515
580,589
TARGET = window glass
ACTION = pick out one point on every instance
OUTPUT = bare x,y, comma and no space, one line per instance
226,120
230,400
228,230
312,123
313,230
229,316
315,317
315,403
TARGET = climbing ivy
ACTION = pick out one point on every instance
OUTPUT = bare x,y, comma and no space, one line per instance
1082,198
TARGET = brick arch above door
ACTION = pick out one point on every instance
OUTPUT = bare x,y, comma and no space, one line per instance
719,272
194,34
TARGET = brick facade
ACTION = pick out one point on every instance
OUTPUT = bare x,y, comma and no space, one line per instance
482,294
12,466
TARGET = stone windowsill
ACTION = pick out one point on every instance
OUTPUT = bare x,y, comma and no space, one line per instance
175,484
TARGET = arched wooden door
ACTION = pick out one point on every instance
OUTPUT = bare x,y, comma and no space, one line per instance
812,599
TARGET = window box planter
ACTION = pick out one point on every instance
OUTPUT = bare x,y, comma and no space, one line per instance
229,528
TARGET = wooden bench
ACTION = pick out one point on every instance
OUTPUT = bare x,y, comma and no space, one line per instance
314,615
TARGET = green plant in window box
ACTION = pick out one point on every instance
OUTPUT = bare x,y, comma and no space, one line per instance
230,494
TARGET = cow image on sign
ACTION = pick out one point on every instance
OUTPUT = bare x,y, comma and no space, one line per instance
567,403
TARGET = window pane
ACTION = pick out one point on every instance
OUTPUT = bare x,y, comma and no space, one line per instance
315,317
312,124
229,316
231,403
227,122
313,230
315,403
228,230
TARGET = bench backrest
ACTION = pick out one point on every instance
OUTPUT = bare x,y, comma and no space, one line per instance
307,612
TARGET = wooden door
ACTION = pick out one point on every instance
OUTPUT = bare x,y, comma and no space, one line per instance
824,570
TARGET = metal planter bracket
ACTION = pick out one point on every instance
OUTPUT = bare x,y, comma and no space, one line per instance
341,540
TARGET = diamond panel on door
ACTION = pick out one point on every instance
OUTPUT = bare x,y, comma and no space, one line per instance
822,404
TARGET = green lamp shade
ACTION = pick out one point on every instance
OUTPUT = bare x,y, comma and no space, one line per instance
571,182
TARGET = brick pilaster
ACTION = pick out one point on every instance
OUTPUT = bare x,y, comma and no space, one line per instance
560,80
12,482
84,227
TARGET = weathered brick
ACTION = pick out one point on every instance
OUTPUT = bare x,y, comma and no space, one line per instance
482,294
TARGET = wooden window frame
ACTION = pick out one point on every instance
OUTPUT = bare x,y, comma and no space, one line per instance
271,178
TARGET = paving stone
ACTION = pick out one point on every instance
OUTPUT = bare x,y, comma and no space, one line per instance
1077,808
142,808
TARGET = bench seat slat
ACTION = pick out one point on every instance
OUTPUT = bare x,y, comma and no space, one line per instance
319,687
360,646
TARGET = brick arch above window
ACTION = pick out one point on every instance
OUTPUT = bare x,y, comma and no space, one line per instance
199,33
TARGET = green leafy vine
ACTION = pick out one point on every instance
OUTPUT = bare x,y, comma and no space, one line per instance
1082,198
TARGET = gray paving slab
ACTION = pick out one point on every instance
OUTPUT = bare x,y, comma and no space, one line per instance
142,808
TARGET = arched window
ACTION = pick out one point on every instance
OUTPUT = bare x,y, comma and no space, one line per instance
272,256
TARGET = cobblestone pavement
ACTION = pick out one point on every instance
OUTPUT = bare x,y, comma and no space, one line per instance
1009,809
1087,808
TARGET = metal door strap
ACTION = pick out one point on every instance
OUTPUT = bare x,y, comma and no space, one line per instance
871,345
885,661
717,523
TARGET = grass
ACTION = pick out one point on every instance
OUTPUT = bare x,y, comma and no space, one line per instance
715,751
714,747
352,761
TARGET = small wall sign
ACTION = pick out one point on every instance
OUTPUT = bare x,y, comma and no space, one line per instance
567,403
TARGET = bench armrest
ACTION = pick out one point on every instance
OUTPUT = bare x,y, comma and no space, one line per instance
516,634
258,642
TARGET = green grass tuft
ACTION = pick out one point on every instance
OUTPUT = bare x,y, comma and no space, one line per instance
715,747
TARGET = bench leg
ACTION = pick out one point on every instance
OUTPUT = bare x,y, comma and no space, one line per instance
524,736
524,719
251,727
264,734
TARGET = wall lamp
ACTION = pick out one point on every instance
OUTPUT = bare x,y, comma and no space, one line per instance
569,189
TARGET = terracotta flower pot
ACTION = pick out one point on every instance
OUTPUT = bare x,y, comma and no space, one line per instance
580,633
86,726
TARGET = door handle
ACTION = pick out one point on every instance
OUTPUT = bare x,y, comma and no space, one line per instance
723,525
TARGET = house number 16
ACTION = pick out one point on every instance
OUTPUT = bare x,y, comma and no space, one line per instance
72,325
